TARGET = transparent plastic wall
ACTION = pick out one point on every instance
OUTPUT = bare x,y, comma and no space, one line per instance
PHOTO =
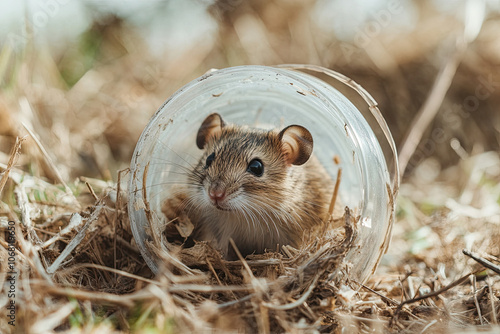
261,96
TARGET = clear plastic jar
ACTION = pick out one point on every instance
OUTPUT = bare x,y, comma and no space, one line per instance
276,96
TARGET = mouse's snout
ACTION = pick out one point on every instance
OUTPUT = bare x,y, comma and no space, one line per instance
217,194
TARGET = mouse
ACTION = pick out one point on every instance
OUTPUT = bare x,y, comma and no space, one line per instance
262,188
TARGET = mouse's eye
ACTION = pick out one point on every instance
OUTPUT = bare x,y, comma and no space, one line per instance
256,167
210,159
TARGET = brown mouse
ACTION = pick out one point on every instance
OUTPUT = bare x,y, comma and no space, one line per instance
262,188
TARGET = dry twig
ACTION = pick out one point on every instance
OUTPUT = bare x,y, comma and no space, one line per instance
484,262
429,295
14,155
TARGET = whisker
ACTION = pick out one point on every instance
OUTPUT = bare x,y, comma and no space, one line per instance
261,213
168,193
164,184
281,215
248,213
276,211
172,150
161,162
255,212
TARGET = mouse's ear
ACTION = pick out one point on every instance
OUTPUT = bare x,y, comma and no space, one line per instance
211,127
296,144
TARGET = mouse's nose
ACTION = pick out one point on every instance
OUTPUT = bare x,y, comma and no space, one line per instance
217,194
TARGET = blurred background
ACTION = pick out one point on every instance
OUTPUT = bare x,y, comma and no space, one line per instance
86,76
91,73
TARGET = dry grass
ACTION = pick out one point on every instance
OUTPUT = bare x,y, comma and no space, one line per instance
78,268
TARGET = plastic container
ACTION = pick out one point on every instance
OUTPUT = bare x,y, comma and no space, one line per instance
276,96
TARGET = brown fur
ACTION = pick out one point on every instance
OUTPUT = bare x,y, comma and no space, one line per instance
280,205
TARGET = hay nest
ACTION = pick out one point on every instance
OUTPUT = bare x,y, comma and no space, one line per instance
87,263
75,265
